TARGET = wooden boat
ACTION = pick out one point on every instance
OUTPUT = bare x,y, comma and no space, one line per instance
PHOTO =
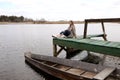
67,69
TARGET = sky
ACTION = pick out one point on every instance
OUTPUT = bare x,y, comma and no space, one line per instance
54,10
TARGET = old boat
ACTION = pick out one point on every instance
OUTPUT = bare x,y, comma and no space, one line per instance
67,69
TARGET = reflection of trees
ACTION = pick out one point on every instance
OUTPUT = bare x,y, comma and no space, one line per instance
4,18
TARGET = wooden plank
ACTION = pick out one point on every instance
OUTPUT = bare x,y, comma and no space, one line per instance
93,45
75,71
54,65
104,73
103,28
89,75
85,30
93,36
90,36
49,63
51,70
56,72
68,62
62,67
55,50
103,20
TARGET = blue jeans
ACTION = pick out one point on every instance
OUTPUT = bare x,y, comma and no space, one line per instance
66,32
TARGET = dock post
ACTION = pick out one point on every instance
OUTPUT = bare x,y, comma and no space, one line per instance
55,50
104,35
85,29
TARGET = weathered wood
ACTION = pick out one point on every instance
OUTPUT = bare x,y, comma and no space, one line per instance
60,72
68,62
104,74
63,68
103,20
61,48
49,63
68,50
90,36
85,30
89,75
50,70
100,21
54,50
104,34
75,71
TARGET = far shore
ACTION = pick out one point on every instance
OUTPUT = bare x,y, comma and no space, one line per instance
45,22
16,23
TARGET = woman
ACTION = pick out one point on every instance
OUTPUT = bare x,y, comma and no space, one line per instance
70,32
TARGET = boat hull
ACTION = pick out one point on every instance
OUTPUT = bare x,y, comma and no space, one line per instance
66,69
52,71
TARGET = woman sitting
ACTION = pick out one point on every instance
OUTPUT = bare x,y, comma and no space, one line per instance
70,32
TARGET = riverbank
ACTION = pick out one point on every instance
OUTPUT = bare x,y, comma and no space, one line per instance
41,22
2,23
57,22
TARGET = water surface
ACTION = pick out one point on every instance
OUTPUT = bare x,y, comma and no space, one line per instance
36,38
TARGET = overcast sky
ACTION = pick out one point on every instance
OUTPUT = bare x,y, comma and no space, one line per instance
61,9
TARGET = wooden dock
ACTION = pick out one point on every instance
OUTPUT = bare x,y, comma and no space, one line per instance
85,42
99,46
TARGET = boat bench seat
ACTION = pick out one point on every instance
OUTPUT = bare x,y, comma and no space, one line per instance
104,73
99,46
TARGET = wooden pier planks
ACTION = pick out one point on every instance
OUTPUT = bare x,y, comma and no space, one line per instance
99,46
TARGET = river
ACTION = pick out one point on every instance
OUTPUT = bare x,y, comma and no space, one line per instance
16,39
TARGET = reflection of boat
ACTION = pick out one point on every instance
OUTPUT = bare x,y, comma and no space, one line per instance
68,69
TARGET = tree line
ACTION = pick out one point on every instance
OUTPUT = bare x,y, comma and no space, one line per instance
4,18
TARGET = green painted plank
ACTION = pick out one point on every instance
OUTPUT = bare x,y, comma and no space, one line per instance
100,46
90,36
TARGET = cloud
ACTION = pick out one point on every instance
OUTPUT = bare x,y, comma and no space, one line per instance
21,2
61,9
